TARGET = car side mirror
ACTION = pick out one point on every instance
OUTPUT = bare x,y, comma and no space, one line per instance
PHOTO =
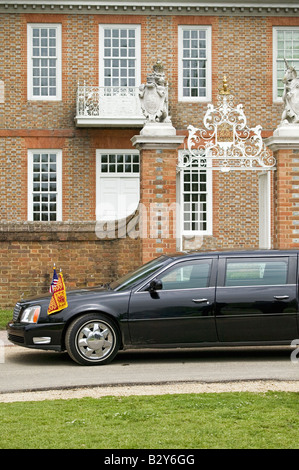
155,284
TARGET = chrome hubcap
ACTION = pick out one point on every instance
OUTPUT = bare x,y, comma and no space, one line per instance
95,340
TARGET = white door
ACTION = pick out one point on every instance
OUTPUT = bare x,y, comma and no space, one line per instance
118,197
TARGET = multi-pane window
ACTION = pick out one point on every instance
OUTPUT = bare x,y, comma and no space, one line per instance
44,62
196,199
119,56
44,186
118,184
119,163
285,46
194,63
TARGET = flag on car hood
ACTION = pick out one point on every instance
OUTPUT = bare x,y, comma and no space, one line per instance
58,300
54,280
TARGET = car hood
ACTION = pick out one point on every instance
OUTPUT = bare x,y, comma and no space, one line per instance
88,292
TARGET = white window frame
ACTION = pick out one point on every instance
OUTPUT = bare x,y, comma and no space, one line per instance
30,96
58,153
208,96
209,202
277,98
100,175
137,58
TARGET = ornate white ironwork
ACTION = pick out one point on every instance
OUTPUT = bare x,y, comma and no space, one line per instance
108,102
227,143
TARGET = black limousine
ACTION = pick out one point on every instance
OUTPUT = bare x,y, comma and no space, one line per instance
190,300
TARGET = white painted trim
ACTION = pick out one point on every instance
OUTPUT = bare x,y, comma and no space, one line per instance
30,96
208,96
180,229
58,153
264,210
100,175
100,152
137,28
277,99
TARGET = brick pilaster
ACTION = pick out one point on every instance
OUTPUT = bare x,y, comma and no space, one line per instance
158,156
286,187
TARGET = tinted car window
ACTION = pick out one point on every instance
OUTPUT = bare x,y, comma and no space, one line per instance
188,275
248,272
139,274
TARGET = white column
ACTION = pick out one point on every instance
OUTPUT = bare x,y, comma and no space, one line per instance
264,210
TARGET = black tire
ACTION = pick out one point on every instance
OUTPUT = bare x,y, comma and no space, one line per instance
92,339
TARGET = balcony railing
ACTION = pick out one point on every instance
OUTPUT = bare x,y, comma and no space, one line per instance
108,107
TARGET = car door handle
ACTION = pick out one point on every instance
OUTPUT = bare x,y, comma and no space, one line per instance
199,301
281,297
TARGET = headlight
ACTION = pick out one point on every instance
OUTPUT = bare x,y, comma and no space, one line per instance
31,314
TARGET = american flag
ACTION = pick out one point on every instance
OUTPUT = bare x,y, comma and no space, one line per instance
54,281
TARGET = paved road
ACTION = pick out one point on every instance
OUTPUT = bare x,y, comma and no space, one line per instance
24,369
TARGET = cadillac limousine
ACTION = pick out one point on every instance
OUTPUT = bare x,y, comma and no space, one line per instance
190,300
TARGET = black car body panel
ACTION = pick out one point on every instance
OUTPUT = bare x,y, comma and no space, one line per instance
80,302
198,299
191,320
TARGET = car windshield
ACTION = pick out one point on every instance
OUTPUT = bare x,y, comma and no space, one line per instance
139,274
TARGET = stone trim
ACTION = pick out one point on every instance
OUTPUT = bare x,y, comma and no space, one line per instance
59,231
158,7
157,142
286,136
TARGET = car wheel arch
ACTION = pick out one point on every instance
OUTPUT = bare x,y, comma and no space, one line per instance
72,318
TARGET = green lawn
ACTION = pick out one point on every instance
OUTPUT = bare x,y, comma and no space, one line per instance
5,317
195,421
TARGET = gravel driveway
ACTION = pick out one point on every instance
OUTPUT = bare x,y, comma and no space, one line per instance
171,388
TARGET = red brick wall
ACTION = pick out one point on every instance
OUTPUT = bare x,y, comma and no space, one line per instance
27,256
236,206
241,49
286,202
157,195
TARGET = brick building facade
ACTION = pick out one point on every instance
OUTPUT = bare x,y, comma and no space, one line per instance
59,162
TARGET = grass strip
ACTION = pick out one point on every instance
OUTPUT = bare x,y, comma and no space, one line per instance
238,420
5,317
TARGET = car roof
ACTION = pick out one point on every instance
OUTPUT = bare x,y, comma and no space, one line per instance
219,253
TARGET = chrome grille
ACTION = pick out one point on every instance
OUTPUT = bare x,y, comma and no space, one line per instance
16,311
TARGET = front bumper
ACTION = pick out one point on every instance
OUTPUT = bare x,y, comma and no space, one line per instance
39,336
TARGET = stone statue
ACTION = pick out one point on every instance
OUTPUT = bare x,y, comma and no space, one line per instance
153,96
290,96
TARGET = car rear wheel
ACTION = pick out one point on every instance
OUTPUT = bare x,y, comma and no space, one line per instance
92,339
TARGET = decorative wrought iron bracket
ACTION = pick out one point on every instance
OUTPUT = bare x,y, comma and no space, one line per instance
227,143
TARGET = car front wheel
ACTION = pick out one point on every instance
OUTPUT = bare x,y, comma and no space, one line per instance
92,339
